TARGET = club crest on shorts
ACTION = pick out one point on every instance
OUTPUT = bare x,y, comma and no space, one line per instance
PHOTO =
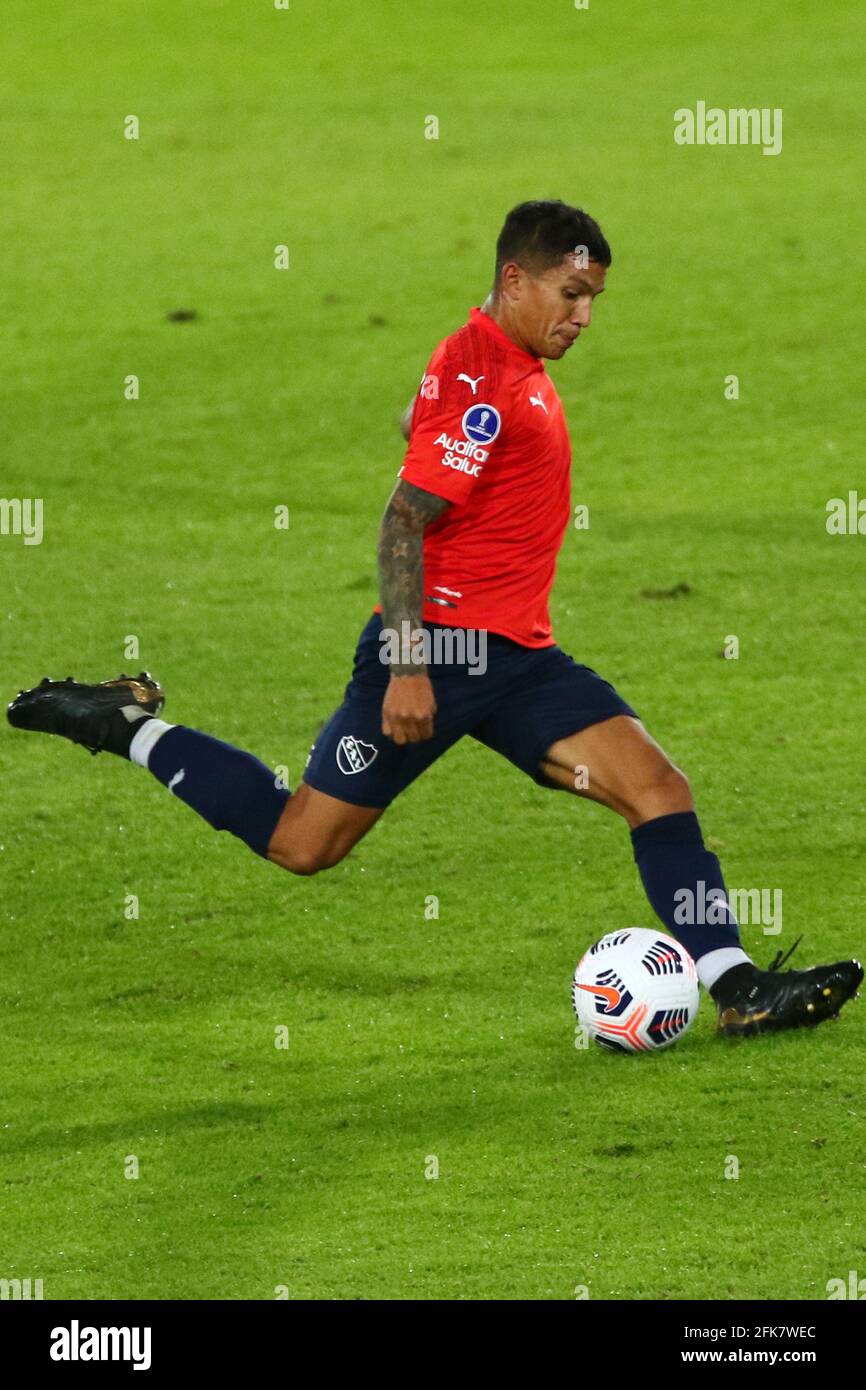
353,755
482,423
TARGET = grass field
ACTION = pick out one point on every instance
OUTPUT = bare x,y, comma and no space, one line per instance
409,1038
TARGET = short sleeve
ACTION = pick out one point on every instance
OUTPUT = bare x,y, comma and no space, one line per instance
457,425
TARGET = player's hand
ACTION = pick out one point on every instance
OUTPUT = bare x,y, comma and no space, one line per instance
408,708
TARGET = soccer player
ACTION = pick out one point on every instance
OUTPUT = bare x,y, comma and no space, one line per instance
461,643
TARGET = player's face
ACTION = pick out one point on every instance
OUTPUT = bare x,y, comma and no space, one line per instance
548,311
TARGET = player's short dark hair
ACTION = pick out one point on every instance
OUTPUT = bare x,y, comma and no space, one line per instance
538,234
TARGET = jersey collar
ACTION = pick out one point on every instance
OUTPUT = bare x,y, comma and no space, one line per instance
483,320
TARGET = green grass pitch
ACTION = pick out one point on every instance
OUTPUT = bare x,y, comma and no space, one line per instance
411,1038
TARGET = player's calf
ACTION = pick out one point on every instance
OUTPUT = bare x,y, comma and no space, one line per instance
229,788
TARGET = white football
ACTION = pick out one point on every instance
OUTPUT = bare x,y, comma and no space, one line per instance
636,990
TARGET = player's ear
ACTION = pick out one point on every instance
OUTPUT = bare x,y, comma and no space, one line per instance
510,280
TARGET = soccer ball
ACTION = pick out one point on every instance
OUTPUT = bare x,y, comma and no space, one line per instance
636,990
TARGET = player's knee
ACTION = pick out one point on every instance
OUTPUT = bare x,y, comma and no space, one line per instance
301,860
670,790
304,859
661,790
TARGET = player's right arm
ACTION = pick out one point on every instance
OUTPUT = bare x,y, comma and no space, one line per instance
409,705
432,477
406,419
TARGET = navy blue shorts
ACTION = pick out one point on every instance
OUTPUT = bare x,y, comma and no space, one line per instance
525,700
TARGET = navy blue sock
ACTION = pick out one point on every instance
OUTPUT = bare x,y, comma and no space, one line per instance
683,881
229,788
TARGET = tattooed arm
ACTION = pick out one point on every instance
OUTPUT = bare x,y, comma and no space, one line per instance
409,705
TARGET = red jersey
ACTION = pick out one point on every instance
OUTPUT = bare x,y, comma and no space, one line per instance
489,434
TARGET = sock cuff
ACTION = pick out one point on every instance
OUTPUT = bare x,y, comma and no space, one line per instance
716,963
145,738
680,827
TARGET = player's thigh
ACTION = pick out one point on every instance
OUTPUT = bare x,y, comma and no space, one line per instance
553,699
354,770
316,831
353,774
569,728
618,763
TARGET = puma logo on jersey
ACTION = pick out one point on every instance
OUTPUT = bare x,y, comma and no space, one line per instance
538,400
472,381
